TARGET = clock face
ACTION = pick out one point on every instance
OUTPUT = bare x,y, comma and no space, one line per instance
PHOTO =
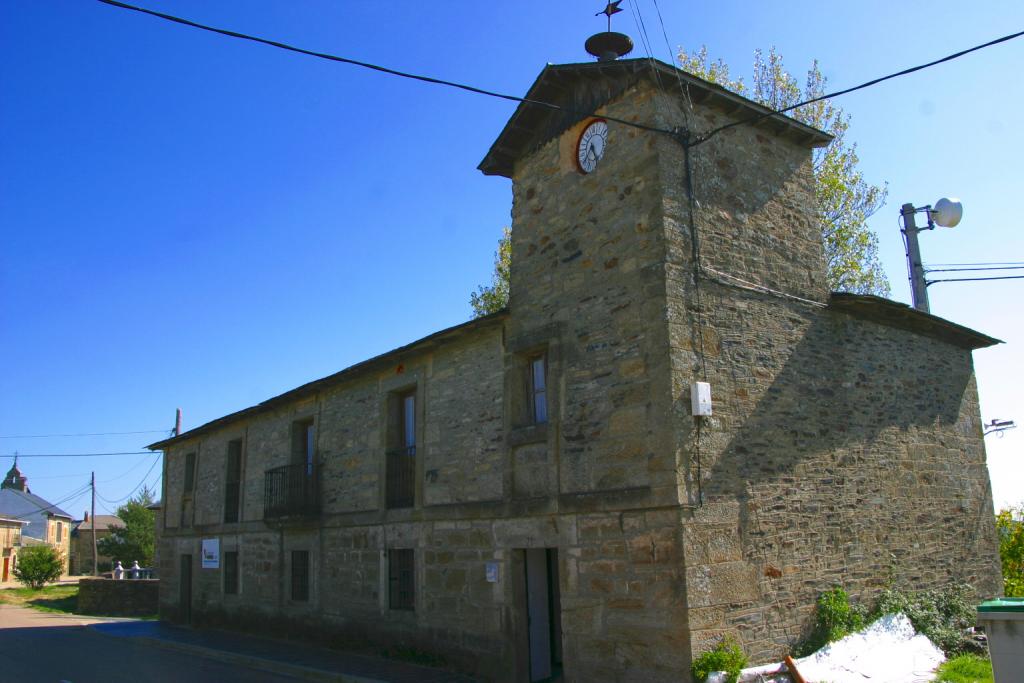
591,146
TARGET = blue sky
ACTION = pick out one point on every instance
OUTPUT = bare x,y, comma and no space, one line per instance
199,222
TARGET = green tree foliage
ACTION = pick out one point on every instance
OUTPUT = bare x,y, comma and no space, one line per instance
38,565
491,299
845,199
1010,525
137,538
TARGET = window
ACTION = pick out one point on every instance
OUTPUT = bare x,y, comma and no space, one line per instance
537,389
401,456
402,579
304,445
231,572
60,531
300,575
190,473
233,481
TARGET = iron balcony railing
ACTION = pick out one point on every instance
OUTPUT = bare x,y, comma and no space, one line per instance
401,477
291,491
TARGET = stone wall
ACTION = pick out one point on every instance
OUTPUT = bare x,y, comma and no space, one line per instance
127,598
842,451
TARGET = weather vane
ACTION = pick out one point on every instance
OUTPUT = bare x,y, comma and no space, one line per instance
612,8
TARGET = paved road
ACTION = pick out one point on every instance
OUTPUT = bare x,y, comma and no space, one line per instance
37,647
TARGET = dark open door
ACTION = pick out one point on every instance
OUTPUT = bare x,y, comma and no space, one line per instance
7,562
185,589
543,613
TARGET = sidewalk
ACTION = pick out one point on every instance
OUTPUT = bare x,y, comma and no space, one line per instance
278,656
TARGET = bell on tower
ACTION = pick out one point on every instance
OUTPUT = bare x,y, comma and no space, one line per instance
609,45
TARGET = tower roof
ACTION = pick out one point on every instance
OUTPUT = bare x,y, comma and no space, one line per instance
583,88
15,479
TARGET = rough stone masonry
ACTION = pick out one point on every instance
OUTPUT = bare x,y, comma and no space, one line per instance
620,536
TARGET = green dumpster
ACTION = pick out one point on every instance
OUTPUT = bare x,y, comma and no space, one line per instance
1003,621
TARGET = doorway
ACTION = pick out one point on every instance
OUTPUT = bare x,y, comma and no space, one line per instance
7,565
185,590
543,614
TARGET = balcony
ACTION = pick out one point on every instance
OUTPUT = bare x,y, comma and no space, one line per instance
401,477
291,491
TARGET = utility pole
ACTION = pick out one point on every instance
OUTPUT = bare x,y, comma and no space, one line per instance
95,564
918,286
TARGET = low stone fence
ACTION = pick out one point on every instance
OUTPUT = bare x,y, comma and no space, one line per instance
118,598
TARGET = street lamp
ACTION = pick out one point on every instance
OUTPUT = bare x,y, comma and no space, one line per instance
947,212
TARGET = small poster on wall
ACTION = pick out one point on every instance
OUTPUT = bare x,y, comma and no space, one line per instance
211,553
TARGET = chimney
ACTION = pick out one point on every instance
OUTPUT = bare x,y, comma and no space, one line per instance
177,422
85,516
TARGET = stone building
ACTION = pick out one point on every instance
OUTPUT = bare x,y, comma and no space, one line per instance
82,542
10,542
44,523
531,493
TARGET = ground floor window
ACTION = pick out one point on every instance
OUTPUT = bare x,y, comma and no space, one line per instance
402,579
300,575
231,572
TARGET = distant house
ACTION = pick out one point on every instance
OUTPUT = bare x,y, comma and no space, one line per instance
43,522
10,542
82,539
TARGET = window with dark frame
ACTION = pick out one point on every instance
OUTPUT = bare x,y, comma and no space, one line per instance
401,456
233,481
231,572
537,388
190,473
300,575
402,579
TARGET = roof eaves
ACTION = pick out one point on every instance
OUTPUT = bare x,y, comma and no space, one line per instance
338,377
900,315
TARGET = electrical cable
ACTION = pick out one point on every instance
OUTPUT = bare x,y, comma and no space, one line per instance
47,436
996,263
512,98
715,131
132,492
69,455
976,279
684,90
375,67
971,270
124,474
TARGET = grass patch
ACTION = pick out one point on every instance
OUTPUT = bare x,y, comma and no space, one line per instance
61,599
965,669
57,599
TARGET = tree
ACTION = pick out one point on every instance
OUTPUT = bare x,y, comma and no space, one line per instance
137,538
845,199
38,565
487,300
1010,526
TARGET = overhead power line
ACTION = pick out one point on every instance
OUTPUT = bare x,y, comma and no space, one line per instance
373,67
971,270
978,279
70,455
875,81
47,436
996,263
513,98
132,492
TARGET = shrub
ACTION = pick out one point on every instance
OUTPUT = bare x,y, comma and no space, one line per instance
835,618
1010,525
38,565
726,656
941,614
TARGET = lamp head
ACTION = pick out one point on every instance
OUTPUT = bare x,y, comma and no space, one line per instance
947,212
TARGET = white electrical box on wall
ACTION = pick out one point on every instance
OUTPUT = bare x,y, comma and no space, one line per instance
700,399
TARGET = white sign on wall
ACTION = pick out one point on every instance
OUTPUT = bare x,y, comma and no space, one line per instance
211,553
492,572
